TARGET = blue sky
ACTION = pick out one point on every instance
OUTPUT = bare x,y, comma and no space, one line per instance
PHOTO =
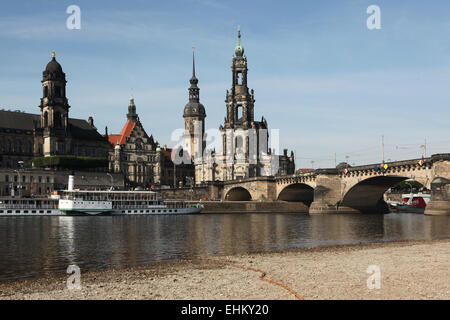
320,76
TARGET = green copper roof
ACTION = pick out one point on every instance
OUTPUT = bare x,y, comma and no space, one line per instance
239,50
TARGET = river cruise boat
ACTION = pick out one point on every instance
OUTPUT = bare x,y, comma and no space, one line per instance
18,206
84,202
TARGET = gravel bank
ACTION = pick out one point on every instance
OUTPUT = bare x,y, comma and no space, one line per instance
409,270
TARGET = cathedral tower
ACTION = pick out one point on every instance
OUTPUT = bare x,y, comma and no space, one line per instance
241,134
240,103
54,109
194,119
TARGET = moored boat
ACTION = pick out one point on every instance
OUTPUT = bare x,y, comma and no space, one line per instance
12,206
83,202
89,203
414,203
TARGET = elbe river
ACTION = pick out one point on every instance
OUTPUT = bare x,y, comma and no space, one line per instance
34,246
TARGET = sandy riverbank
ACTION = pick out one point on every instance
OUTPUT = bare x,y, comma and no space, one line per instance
409,270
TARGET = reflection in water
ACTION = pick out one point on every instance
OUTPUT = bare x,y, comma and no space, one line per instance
30,246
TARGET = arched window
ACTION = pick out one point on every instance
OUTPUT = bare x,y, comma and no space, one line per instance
57,119
239,113
45,91
239,78
45,119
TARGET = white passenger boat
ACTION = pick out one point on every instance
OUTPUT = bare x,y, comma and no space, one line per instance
12,206
81,202
85,202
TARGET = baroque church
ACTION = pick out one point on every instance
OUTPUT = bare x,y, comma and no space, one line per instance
245,151
24,136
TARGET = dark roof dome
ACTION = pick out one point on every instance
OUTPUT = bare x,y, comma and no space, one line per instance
193,109
53,65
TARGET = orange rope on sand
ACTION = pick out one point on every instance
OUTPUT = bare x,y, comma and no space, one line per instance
262,277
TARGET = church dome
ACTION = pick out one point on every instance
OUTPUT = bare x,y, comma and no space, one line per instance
53,70
53,65
193,109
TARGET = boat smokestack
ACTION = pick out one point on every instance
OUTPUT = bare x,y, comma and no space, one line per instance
71,183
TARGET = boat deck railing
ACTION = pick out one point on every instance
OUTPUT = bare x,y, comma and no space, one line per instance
25,206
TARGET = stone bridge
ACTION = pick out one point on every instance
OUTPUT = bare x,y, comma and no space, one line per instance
357,189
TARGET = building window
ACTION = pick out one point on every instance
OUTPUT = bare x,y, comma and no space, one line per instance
7,146
40,179
18,146
57,119
28,147
239,113
45,91
60,146
45,119
23,178
7,178
48,179
239,78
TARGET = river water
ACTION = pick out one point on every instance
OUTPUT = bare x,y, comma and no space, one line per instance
32,246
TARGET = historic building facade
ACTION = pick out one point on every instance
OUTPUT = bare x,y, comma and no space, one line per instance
141,159
24,136
245,148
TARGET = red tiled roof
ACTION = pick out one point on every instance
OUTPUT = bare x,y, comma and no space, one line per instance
124,134
113,138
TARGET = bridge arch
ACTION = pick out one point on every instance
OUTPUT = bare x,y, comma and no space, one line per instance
367,195
297,192
238,194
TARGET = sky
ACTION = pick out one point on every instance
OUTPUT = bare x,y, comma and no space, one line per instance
330,85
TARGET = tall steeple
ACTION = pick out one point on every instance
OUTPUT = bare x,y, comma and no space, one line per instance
194,118
194,90
194,108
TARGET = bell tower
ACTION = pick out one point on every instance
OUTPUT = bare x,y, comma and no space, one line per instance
194,119
54,109
239,102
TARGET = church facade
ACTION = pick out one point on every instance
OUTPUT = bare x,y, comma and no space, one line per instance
245,151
